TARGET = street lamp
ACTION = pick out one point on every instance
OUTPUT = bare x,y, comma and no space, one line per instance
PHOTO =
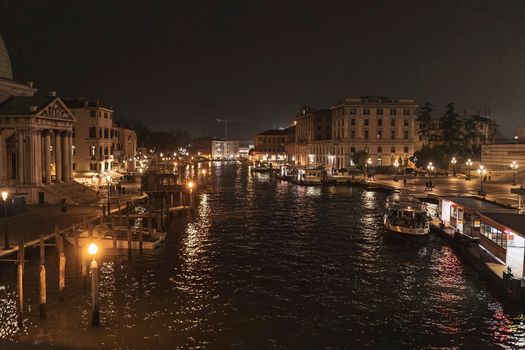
468,163
453,161
514,167
190,186
396,165
430,168
481,171
93,267
369,164
6,235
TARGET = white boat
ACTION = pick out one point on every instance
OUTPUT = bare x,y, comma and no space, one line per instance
406,214
104,238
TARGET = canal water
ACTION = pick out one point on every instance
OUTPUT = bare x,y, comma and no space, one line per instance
268,264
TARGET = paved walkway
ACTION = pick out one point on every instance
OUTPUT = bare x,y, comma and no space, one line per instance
41,220
497,190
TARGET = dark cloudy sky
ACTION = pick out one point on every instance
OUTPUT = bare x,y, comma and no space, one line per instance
180,65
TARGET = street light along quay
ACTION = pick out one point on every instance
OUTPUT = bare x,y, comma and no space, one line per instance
396,165
482,172
514,167
190,186
468,163
6,234
430,168
369,164
453,162
93,267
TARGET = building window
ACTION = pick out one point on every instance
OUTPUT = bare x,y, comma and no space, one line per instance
93,166
392,134
352,134
366,122
380,111
393,111
405,135
92,113
366,111
352,122
366,134
366,149
353,111
405,122
493,234
105,150
393,122
379,134
379,122
92,132
405,149
352,149
100,151
392,149
379,149
106,133
100,133
406,111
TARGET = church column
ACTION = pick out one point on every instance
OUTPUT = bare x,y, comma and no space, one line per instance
38,157
47,157
3,160
70,145
58,156
20,157
65,157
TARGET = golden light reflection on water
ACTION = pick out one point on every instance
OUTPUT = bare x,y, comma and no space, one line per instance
9,326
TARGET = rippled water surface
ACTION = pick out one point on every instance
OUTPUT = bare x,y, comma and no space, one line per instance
267,264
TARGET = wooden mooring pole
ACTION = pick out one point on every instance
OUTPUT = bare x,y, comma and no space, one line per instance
95,313
20,284
43,296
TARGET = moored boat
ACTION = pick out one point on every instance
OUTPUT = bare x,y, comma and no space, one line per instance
406,214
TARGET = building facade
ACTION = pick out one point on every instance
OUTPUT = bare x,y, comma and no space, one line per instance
270,144
126,149
384,128
95,140
224,150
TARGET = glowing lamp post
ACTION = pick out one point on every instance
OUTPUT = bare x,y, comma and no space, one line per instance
430,169
468,163
482,172
453,162
190,187
514,167
93,267
6,235
396,165
368,165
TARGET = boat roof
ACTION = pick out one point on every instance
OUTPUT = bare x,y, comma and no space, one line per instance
408,207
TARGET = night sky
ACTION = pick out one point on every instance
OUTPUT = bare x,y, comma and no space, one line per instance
180,65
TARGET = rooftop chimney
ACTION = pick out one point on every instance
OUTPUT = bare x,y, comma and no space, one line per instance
32,109
51,93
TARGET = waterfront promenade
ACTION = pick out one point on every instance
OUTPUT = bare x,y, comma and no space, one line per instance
42,220
497,190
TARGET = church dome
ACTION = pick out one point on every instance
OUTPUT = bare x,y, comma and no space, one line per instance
5,64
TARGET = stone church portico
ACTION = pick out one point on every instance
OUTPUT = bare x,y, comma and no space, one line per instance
36,143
